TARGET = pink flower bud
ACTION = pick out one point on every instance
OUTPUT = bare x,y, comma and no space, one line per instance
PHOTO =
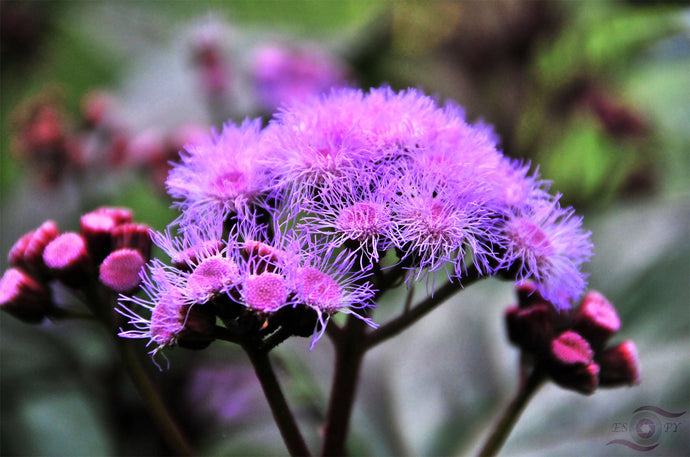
68,260
571,348
133,236
596,319
27,252
532,328
184,259
120,270
571,363
23,297
119,215
97,229
619,365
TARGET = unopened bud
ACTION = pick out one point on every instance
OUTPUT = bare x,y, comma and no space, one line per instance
596,319
571,348
68,260
185,259
532,328
119,215
27,252
23,297
120,270
571,363
133,236
97,229
619,365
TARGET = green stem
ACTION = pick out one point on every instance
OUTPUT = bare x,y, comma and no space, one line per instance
276,400
507,421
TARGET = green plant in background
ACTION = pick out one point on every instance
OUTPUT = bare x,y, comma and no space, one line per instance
209,398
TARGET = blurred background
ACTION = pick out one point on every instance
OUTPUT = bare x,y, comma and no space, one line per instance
98,97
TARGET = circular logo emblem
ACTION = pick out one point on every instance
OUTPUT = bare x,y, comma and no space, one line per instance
645,428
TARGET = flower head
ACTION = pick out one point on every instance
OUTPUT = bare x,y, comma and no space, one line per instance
441,222
328,284
220,174
174,293
120,270
547,243
353,212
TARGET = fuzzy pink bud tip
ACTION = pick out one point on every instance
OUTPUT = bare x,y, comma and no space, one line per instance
64,251
23,297
68,259
596,319
620,365
571,365
97,222
571,349
97,228
27,252
16,255
118,215
120,270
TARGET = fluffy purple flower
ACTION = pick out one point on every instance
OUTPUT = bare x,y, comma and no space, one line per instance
441,222
548,244
166,316
173,292
321,195
316,142
354,212
329,284
220,174
289,271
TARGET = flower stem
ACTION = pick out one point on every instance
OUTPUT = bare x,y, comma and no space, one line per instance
276,400
100,302
168,428
349,355
507,421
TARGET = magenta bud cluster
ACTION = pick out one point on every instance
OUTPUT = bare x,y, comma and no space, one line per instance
109,250
573,346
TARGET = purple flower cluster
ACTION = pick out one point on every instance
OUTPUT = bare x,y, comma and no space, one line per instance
309,212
